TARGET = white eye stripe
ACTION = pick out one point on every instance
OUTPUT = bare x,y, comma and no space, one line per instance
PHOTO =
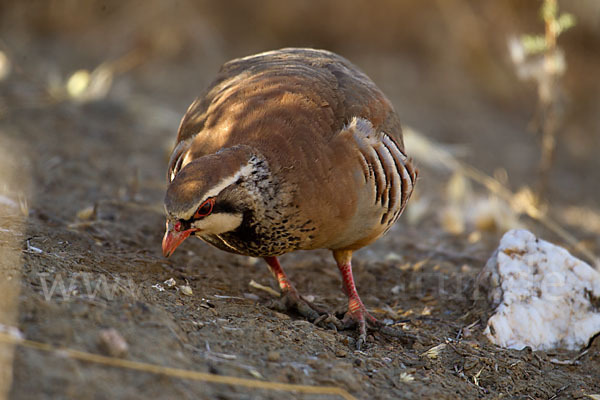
244,171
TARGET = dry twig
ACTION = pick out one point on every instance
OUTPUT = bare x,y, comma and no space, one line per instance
174,372
264,288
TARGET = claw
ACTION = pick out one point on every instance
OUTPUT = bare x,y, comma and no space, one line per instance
323,319
361,340
291,300
329,321
357,314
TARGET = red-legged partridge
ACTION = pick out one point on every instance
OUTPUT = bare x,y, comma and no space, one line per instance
294,149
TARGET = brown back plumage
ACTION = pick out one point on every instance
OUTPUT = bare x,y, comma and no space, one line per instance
317,87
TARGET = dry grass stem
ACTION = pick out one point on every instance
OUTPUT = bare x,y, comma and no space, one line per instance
174,372
256,285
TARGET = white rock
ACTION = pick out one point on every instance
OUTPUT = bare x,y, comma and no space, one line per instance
170,282
544,297
187,290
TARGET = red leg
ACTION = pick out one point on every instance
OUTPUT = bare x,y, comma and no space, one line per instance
290,299
357,312
279,273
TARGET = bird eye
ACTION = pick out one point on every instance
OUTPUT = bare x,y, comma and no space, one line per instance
205,208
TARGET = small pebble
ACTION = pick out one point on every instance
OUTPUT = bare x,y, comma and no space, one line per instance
86,213
186,290
170,282
251,296
112,343
279,315
273,356
158,287
256,374
392,257
302,324
198,325
341,353
347,340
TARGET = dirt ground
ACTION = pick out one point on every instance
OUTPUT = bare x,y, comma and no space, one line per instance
89,176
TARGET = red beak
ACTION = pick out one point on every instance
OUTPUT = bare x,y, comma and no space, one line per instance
173,238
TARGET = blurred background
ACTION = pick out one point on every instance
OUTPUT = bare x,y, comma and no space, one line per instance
500,102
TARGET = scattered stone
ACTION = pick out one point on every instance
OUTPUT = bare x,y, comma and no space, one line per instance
87,213
186,290
198,325
341,353
281,316
170,282
397,289
251,296
206,303
273,356
544,297
158,287
256,374
392,256
302,324
112,343
347,340
326,336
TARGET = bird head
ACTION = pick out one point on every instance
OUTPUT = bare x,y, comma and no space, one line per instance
209,196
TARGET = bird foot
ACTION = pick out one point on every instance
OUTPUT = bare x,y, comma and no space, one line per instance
358,316
291,300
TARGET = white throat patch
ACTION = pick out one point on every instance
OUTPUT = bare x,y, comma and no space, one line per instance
215,224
